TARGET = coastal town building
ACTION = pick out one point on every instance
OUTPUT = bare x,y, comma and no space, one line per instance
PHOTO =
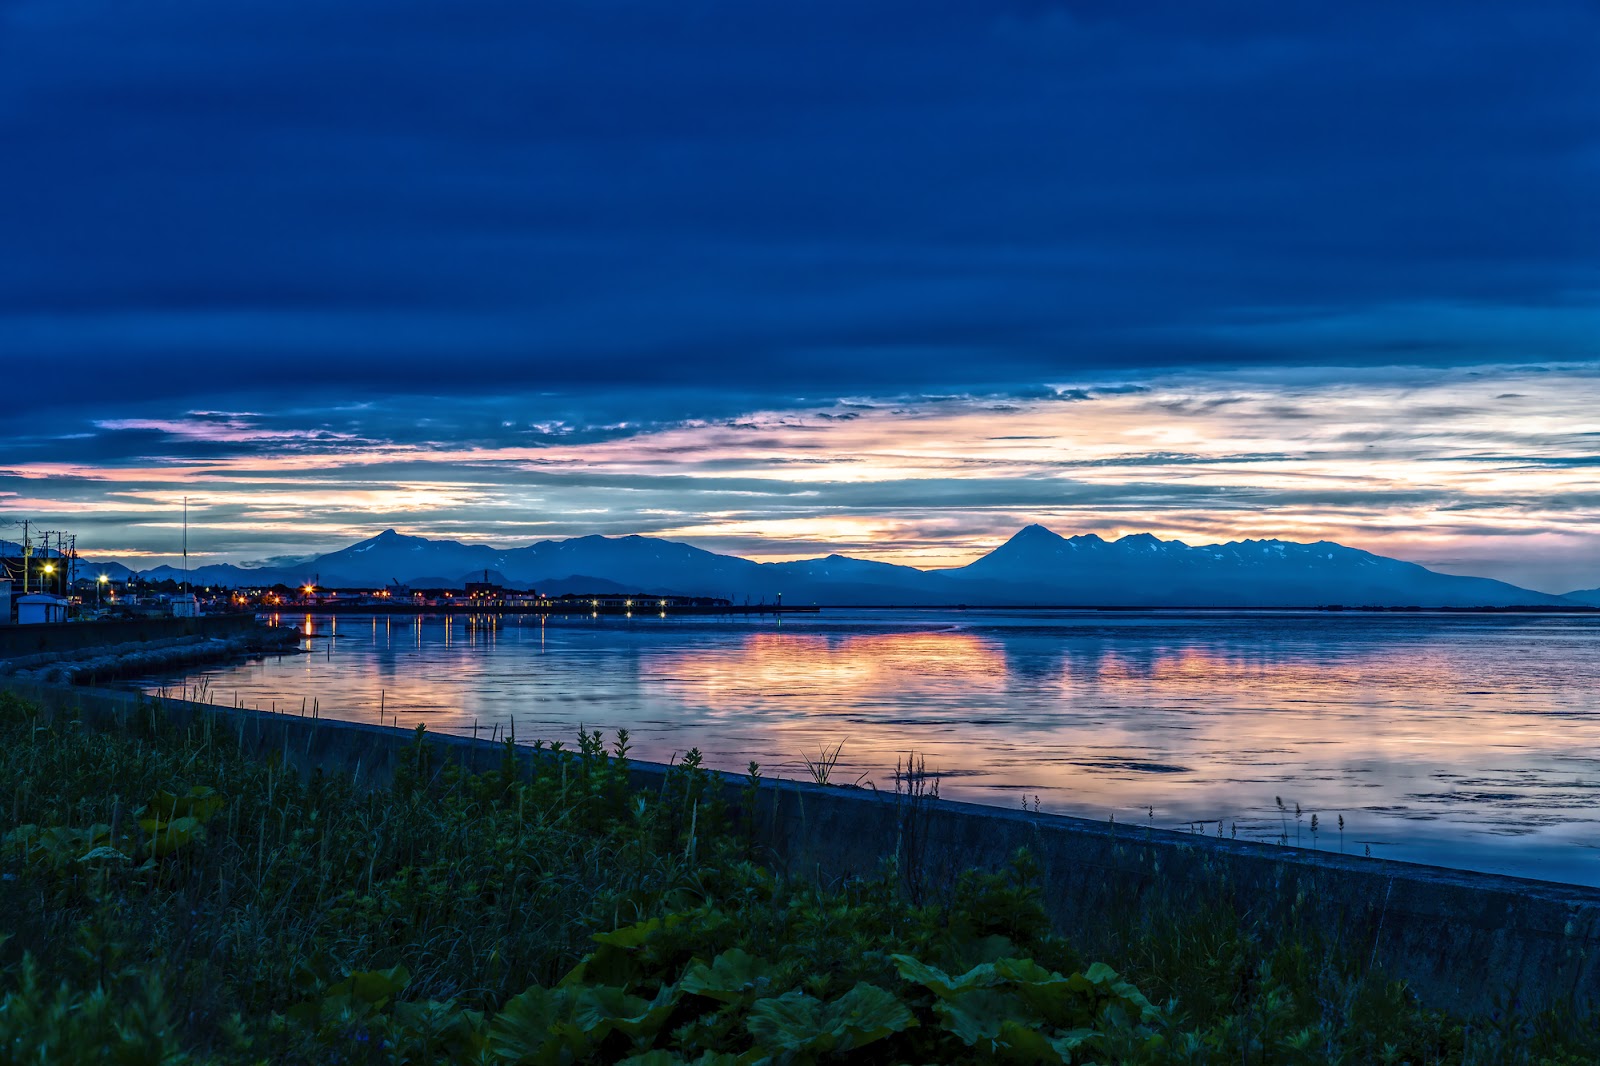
639,600
41,607
485,591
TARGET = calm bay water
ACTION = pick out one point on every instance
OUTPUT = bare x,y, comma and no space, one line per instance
1468,741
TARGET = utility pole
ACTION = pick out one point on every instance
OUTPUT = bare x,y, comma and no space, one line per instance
27,554
186,545
48,567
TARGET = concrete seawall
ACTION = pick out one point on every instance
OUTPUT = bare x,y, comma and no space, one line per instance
92,652
1464,941
59,637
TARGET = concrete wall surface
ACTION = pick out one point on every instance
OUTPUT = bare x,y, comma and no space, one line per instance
1464,941
55,637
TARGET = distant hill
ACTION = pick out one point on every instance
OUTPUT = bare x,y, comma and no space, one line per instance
86,567
113,570
1586,597
1034,567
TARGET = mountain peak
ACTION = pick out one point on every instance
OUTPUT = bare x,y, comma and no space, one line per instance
1148,542
388,536
1034,533
387,539
1026,547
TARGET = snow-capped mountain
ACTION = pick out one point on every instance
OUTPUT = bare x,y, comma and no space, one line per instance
1034,567
1037,565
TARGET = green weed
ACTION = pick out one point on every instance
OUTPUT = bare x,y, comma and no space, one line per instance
168,900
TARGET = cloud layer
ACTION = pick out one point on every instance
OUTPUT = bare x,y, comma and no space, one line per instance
842,275
1489,471
821,199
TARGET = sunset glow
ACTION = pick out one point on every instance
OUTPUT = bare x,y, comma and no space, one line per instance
1483,472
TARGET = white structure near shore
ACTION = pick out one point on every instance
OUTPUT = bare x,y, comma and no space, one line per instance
40,607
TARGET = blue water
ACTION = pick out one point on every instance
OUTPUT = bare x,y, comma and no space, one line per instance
1466,741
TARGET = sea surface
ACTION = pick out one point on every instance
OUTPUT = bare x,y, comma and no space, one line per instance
1470,741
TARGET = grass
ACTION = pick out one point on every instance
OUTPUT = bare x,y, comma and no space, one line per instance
822,767
170,900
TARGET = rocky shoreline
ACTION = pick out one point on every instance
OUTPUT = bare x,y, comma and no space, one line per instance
108,662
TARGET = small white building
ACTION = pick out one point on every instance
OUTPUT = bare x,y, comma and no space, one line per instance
5,602
39,607
185,605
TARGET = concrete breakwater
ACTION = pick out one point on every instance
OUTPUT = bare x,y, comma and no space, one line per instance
80,663
1464,941
61,637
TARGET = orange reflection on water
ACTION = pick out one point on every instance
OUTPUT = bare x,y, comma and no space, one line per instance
850,668
789,696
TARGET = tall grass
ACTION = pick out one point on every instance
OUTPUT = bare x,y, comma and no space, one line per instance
480,885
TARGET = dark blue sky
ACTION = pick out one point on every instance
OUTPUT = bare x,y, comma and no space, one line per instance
401,221
818,198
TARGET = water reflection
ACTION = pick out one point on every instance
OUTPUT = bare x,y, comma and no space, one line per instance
1461,741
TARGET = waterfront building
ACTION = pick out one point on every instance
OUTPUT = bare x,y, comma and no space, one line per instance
641,600
485,592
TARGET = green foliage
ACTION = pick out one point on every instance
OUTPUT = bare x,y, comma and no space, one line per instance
1017,1009
734,976
545,912
796,1022
129,1024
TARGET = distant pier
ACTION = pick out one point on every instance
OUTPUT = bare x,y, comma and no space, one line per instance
643,610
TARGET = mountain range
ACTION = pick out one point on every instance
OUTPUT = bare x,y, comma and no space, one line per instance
1035,567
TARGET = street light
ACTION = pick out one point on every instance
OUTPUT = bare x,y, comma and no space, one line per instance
99,588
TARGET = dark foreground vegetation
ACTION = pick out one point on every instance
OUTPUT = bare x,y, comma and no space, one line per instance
166,900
